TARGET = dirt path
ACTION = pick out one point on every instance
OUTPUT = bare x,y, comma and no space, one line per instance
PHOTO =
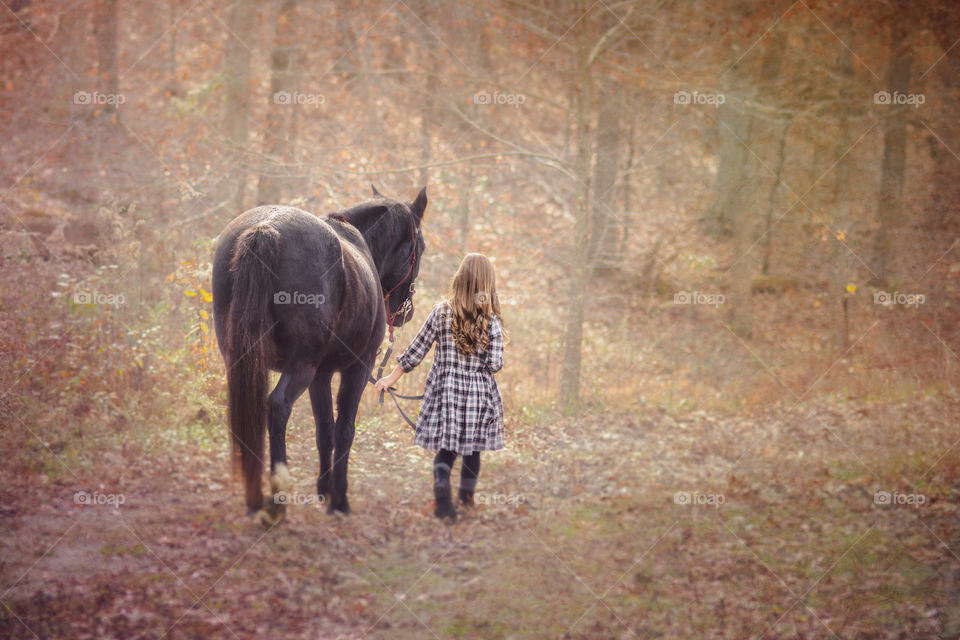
581,536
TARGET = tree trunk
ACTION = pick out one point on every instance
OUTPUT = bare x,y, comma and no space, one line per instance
430,64
72,47
742,218
240,20
768,224
626,220
573,339
280,113
733,126
605,229
427,114
466,189
739,197
109,77
944,214
840,275
172,30
894,154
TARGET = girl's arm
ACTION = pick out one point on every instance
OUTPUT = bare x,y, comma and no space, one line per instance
414,354
421,344
494,358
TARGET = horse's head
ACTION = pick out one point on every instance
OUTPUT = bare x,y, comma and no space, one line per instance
402,247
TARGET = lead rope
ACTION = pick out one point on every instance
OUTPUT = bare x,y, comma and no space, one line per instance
392,391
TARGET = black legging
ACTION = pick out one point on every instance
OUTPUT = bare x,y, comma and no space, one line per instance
469,469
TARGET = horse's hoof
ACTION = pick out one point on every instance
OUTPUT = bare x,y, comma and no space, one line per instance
343,507
272,514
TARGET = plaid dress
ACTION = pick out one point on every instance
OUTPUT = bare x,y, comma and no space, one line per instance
462,410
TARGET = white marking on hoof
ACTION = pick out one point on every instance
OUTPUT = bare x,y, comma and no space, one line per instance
271,517
280,480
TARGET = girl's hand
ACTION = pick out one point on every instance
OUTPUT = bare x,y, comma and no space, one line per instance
389,380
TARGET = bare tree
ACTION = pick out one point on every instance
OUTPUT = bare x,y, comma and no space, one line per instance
105,27
742,173
605,231
240,20
894,148
583,106
279,134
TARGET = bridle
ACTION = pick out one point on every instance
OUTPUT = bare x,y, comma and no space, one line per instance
406,303
390,318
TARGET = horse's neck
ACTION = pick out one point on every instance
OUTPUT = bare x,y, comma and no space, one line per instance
364,228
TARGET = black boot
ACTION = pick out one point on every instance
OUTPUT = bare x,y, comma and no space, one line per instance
469,472
466,498
441,491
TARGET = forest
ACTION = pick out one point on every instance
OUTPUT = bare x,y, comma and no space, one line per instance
725,240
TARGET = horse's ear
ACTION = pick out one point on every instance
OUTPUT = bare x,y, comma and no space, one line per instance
419,205
376,194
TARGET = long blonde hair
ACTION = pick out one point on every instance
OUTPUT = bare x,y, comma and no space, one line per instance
473,298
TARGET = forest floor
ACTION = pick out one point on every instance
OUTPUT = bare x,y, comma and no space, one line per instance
583,534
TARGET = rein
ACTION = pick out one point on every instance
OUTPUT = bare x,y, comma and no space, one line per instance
390,318
393,394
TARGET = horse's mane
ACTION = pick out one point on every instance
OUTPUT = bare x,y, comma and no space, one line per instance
364,214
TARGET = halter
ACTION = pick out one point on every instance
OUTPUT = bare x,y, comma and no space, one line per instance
386,296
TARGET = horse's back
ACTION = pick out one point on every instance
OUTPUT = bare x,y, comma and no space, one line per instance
312,287
297,231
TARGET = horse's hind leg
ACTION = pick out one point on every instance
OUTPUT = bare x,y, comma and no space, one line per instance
322,404
291,386
352,383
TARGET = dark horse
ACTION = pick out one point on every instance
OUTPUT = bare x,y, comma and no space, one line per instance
304,295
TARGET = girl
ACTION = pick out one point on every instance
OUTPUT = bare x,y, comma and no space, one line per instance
462,412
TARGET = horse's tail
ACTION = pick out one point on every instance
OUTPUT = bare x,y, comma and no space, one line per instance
248,323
